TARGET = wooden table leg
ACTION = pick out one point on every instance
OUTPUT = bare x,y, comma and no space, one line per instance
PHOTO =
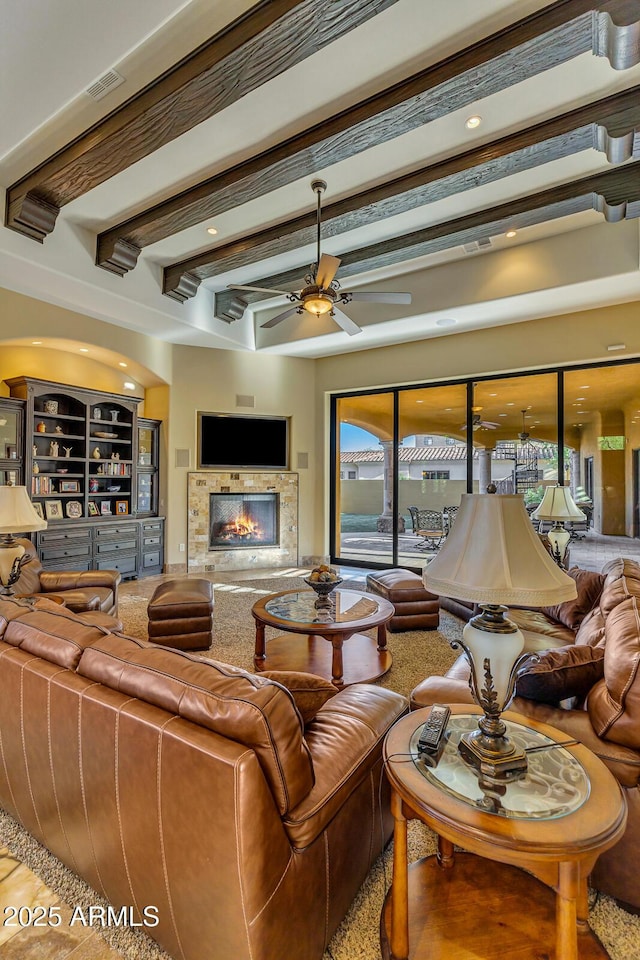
582,903
566,913
382,638
445,853
260,643
337,667
399,940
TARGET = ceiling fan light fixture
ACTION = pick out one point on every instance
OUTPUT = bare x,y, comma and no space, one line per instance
318,303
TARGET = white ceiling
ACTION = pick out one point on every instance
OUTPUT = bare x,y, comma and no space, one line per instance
50,53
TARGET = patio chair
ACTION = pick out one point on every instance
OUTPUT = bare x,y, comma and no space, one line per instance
429,525
450,514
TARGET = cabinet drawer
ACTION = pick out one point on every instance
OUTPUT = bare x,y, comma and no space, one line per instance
152,526
73,564
151,542
151,559
62,536
119,530
116,546
72,550
123,564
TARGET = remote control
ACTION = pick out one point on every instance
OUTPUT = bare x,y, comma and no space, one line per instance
433,730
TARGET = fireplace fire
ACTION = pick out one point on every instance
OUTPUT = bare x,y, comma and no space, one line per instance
243,520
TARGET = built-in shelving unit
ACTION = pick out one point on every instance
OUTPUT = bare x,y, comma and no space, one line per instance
82,465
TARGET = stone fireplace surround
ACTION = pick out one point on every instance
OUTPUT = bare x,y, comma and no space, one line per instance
200,559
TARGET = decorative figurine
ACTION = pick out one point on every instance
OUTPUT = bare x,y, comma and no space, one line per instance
96,453
97,414
53,448
41,427
35,450
58,428
67,451
36,468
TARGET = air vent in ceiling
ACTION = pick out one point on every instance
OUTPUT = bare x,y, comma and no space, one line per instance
104,85
476,245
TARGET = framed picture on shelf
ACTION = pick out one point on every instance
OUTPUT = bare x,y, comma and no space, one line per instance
92,508
69,486
53,510
37,506
105,508
122,506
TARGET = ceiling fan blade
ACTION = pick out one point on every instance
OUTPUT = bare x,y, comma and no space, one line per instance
327,269
371,296
238,286
345,322
279,317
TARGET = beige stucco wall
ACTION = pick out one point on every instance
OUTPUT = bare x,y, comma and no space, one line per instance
211,380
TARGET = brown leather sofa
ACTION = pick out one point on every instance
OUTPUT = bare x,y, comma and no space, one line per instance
81,590
608,719
167,780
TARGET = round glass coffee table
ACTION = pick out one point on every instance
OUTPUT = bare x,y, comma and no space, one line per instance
524,841
325,632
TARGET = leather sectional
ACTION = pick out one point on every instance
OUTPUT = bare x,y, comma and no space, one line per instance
167,780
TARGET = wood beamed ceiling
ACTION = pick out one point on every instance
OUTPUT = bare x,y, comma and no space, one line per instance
274,35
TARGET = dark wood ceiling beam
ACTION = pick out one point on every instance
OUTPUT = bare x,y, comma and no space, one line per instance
610,125
266,40
554,35
615,193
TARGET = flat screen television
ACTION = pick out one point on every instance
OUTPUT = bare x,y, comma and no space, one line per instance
243,442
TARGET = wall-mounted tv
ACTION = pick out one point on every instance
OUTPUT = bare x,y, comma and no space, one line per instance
242,442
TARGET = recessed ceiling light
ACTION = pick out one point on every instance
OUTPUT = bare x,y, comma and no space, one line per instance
212,231
493,394
472,122
84,349
511,233
581,398
128,385
510,404
36,343
617,346
446,322
121,363
585,386
502,414
448,409
419,401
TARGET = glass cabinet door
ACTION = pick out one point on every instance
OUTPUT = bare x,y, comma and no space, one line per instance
147,467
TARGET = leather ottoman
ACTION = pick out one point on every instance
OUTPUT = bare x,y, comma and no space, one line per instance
181,614
415,608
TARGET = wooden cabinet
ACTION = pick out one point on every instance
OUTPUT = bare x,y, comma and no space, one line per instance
11,442
88,475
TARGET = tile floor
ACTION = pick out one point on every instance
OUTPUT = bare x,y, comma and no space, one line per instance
19,887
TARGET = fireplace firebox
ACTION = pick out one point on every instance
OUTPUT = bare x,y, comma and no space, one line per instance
243,520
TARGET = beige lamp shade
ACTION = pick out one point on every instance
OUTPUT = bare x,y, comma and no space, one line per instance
17,514
558,504
494,555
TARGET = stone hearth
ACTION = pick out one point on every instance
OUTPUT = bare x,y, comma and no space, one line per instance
201,559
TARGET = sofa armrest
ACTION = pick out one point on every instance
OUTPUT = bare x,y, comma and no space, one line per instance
623,762
55,581
78,601
345,741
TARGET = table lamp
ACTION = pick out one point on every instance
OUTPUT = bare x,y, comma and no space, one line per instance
494,556
17,515
559,506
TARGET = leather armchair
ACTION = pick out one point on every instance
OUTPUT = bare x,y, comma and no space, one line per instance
81,590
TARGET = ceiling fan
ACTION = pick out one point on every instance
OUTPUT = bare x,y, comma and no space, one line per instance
321,293
477,423
524,436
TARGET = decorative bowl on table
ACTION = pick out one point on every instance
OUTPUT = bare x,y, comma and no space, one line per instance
323,580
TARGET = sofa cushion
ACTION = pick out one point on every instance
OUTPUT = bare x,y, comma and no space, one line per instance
614,703
539,631
571,613
48,630
561,674
622,580
591,629
309,692
241,706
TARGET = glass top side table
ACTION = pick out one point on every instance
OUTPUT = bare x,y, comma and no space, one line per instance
555,784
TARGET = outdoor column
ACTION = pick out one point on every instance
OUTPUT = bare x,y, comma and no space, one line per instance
385,520
574,475
484,468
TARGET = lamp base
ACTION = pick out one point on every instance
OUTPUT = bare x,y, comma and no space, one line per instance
495,758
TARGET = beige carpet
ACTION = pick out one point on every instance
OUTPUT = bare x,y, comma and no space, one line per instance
415,655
